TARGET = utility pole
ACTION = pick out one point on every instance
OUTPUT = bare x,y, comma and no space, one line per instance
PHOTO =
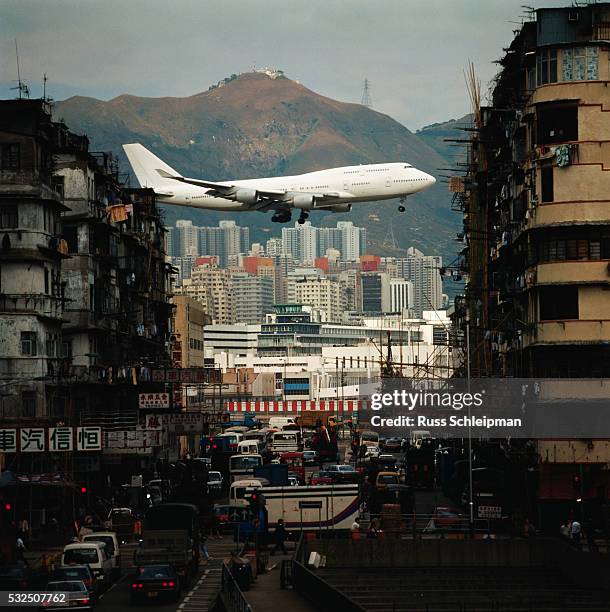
470,492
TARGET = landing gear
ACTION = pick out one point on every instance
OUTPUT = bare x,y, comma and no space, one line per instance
402,208
303,217
283,216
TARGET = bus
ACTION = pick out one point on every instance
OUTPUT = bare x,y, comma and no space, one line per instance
287,442
242,466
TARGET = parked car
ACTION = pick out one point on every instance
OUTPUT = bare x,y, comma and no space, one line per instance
76,572
113,550
214,482
79,596
321,478
155,582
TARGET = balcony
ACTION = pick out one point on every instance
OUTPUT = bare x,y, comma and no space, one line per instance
569,332
570,213
567,272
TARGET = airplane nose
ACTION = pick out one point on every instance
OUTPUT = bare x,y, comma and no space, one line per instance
430,180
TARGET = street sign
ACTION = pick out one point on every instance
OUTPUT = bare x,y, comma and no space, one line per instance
490,512
306,505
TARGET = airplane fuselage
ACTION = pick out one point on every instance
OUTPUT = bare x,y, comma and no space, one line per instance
349,184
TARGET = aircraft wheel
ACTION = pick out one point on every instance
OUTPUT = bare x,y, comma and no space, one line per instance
401,208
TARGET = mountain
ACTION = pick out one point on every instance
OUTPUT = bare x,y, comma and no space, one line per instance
437,134
259,125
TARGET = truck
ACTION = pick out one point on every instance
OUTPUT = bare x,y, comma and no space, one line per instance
275,473
171,537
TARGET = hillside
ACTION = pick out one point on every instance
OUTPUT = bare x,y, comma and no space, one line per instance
255,125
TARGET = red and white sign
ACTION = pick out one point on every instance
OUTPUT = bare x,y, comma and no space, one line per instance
289,406
154,400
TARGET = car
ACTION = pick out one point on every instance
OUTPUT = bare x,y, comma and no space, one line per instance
113,549
79,596
320,478
77,572
92,554
310,457
14,578
371,452
448,518
214,482
121,521
155,582
393,445
386,478
343,473
388,462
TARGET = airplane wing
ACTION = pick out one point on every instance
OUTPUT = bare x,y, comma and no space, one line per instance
269,198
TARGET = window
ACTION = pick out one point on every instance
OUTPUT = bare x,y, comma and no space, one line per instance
69,235
580,64
28,403
546,179
546,66
558,303
557,124
10,156
9,218
28,344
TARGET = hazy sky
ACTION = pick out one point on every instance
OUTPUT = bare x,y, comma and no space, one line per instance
412,51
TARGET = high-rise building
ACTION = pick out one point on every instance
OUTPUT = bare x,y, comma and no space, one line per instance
352,241
375,292
301,241
401,295
225,241
252,297
274,246
209,279
424,272
188,321
323,294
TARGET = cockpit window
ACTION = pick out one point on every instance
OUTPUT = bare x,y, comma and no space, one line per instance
408,166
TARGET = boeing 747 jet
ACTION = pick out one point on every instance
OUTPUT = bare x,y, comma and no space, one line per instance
334,189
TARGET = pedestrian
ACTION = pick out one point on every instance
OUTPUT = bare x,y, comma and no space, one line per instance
575,532
20,552
280,537
23,529
203,547
373,529
528,529
216,527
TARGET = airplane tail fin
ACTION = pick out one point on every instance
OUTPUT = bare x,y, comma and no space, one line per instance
150,170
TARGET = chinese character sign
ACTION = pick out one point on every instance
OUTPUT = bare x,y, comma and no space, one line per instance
154,400
31,439
60,439
88,438
8,440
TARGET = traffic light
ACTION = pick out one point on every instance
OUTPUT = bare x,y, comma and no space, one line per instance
7,506
253,501
576,482
83,490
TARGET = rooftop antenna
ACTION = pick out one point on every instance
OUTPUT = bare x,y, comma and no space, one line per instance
24,90
366,94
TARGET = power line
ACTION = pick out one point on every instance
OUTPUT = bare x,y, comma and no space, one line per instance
366,94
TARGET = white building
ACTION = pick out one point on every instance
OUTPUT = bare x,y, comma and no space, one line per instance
252,297
423,271
323,294
401,295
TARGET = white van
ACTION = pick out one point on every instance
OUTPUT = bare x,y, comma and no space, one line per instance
238,490
92,554
112,547
248,447
277,422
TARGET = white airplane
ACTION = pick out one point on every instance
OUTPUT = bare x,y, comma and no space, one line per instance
334,190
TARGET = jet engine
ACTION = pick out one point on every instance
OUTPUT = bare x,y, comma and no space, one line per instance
246,196
304,202
340,208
